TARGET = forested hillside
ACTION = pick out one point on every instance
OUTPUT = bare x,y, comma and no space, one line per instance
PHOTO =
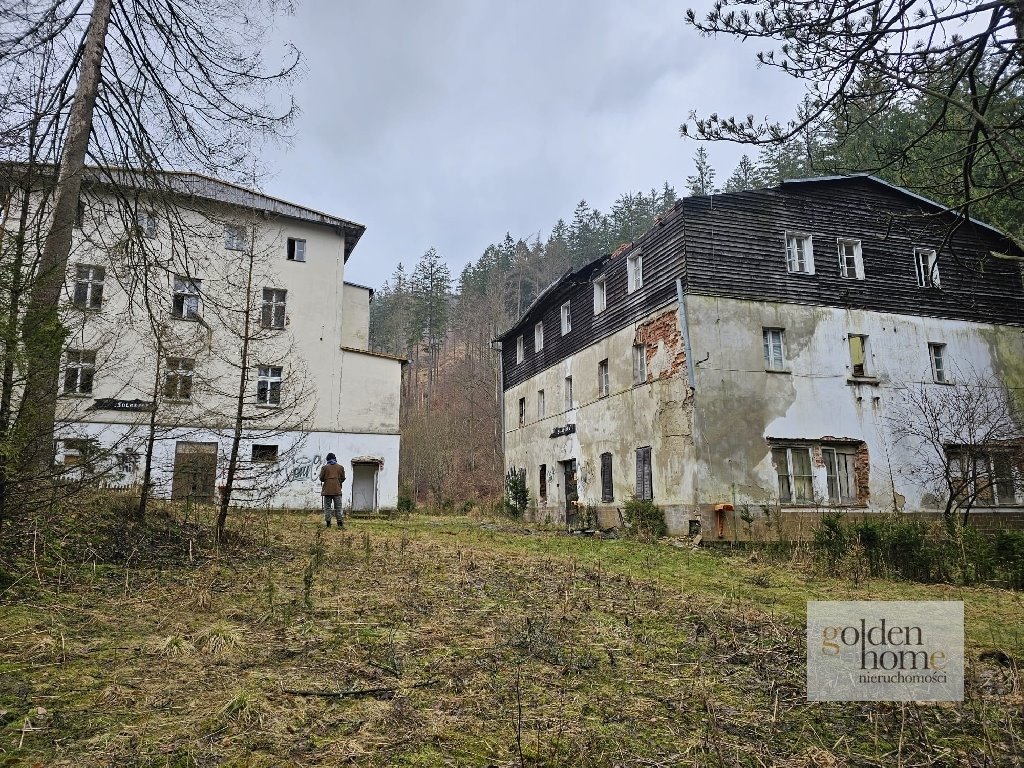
451,445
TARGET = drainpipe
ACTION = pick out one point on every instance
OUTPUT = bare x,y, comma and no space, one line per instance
684,326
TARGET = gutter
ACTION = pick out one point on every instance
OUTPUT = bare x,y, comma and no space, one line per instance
684,326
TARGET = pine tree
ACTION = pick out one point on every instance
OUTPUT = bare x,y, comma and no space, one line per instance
744,177
702,182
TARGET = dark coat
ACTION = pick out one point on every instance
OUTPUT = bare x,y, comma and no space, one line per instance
332,476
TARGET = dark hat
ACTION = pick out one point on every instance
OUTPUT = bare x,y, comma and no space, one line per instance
331,456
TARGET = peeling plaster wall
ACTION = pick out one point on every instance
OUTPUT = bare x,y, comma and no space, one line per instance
656,413
739,405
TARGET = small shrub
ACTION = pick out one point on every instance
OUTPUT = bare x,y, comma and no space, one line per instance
831,538
517,495
644,518
406,503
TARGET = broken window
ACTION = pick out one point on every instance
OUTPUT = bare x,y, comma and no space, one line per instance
186,297
851,262
520,350
178,378
296,250
542,486
634,272
568,393
600,294
644,484
840,461
602,379
264,452
937,354
79,372
774,357
88,286
926,263
234,238
268,384
566,319
274,302
799,253
606,478
538,337
987,476
858,354
639,363
793,465
522,411
78,452
541,406
146,221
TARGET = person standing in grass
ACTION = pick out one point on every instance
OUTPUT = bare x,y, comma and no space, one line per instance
332,475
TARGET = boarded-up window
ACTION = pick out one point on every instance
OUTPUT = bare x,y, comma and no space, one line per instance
644,484
542,486
606,478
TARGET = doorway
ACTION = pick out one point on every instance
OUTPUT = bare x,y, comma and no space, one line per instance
364,486
195,471
571,492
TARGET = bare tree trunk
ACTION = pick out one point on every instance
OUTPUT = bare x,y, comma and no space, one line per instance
147,473
243,386
42,330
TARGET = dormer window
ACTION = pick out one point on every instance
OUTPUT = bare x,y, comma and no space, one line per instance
927,263
600,294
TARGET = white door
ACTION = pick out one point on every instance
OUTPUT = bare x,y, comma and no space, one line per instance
364,487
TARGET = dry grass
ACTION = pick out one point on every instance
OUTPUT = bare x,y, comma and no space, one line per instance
439,642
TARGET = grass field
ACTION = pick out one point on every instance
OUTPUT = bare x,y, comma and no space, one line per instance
451,641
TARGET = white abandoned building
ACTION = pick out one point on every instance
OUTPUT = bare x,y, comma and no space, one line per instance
175,288
746,352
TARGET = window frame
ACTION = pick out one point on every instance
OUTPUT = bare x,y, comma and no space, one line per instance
542,485
790,475
180,370
295,250
858,259
634,271
83,363
793,256
272,307
187,288
566,314
768,349
603,379
839,470
522,411
541,404
264,459
600,294
644,474
926,265
607,480
864,372
567,393
145,222
93,287
937,361
639,364
234,237
520,349
266,378
538,336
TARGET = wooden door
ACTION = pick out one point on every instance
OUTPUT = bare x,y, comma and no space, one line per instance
195,471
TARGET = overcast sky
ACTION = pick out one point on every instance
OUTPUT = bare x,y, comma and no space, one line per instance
449,122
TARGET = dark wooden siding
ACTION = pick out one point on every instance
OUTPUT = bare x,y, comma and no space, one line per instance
733,245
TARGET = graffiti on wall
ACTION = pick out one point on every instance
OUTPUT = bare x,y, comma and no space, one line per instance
304,468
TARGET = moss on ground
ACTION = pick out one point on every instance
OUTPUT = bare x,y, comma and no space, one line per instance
432,641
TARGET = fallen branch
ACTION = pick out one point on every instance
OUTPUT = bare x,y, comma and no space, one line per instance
356,691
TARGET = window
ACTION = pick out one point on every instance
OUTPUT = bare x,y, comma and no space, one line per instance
858,355
774,356
80,214
178,379
602,378
273,307
186,297
986,477
566,319
541,406
542,486
79,372
839,470
799,254
234,238
89,286
522,411
520,350
538,337
146,221
606,478
639,363
937,353
793,466
296,249
634,272
78,452
600,294
264,452
568,393
851,262
268,385
927,265
644,486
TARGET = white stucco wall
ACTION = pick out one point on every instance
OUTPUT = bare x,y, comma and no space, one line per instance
355,324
